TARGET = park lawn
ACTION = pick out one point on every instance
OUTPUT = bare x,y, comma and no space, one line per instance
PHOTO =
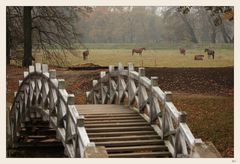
149,58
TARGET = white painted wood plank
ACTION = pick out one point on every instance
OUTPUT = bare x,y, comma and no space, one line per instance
172,110
187,134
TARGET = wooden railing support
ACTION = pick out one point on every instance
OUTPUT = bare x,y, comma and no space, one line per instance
141,73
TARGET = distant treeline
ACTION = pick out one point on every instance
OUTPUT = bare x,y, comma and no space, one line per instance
156,46
152,24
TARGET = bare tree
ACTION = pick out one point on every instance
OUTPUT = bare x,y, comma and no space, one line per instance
51,29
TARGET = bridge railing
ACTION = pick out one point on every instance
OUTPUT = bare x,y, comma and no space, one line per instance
42,96
126,86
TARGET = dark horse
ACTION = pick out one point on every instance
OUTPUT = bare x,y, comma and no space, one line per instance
210,53
85,54
138,51
182,51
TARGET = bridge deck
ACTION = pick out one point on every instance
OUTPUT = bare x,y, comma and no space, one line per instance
122,131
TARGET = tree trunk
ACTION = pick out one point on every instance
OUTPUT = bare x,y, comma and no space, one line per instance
8,44
190,29
213,36
27,28
213,30
226,38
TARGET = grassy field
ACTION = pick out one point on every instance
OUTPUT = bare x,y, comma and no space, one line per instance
165,57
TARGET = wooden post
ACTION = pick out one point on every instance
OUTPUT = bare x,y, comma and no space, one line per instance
111,90
103,94
69,121
153,113
183,117
31,69
25,74
61,84
168,98
52,73
88,100
120,89
38,67
141,73
20,82
94,83
130,94
44,68
80,123
71,99
178,148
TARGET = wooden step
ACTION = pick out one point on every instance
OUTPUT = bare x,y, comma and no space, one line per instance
36,123
124,138
124,133
37,137
137,148
51,132
118,129
33,143
115,118
111,114
87,125
113,121
102,108
141,155
131,143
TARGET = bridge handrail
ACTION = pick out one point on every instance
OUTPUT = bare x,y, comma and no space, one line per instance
42,95
145,96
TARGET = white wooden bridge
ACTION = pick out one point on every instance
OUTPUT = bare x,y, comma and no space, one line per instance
126,116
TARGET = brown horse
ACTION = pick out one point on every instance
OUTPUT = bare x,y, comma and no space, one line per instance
85,54
138,51
198,57
182,51
210,53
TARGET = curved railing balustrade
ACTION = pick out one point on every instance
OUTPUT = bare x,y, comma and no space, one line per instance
121,86
42,96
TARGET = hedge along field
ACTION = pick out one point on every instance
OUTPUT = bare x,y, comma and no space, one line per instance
153,56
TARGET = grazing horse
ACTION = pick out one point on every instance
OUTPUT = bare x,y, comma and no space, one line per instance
85,54
210,53
182,51
138,50
198,57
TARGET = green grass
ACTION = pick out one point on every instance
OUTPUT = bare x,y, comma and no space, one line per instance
112,54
